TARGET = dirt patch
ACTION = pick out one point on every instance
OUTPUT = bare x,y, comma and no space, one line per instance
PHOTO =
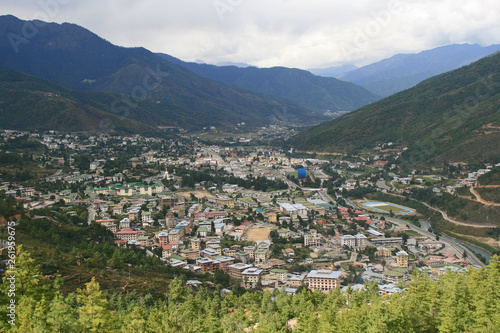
197,194
487,240
258,233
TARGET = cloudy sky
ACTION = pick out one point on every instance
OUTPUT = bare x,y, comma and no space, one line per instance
292,33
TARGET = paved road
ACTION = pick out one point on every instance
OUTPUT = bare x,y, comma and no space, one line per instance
446,240
382,184
92,213
290,184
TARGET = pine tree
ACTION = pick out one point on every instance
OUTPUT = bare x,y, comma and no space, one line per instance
94,314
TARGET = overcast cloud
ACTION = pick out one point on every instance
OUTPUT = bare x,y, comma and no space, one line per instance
291,33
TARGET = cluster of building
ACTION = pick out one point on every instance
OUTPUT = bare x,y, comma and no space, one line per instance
187,227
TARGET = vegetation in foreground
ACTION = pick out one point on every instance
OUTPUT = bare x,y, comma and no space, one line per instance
452,303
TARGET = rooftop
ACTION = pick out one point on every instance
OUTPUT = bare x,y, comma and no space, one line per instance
324,274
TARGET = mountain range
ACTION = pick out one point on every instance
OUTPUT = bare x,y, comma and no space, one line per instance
76,58
300,86
451,117
403,71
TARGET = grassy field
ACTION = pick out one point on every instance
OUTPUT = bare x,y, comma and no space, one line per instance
385,207
395,210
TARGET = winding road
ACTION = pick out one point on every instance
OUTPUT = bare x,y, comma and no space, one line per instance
481,200
459,248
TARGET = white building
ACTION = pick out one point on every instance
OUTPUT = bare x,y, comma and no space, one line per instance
293,209
323,280
348,240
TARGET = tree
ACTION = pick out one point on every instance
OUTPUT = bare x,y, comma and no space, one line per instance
93,314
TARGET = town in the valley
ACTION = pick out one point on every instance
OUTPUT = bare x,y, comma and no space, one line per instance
267,217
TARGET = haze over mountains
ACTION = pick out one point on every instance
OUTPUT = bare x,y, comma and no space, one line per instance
76,58
404,71
160,90
300,86
453,116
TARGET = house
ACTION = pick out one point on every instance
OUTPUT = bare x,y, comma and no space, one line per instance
145,240
133,213
219,228
261,254
236,270
402,259
312,240
250,250
289,252
128,234
348,240
296,281
383,252
225,262
396,275
195,243
147,218
350,184
117,210
207,264
251,276
209,253
190,253
167,251
361,241
203,231
125,223
323,280
388,242
293,210
163,237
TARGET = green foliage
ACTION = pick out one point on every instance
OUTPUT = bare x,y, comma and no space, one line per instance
31,103
455,302
490,178
442,118
191,177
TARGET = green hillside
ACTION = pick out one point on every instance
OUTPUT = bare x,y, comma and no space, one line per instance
31,103
453,116
490,178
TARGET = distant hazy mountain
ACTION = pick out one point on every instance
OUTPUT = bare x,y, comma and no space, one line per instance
454,116
332,71
404,71
230,63
72,56
318,93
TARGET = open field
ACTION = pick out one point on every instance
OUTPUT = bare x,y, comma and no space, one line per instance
258,232
386,207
